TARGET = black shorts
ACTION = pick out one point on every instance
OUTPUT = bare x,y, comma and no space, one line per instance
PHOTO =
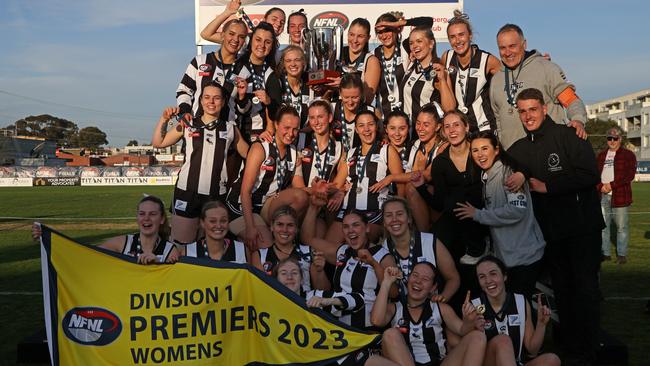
188,204
373,216
235,210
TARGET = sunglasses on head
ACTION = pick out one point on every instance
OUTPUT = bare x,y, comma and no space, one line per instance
612,138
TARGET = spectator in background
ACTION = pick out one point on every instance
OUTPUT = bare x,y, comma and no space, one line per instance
617,166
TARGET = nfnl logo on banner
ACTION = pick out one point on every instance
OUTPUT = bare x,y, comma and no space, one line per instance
103,308
440,10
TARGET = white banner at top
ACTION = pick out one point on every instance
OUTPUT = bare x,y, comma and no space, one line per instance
334,12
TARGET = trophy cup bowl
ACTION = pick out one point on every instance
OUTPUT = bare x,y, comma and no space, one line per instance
325,46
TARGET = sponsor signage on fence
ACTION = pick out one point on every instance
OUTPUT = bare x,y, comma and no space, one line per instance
128,181
59,181
16,182
334,12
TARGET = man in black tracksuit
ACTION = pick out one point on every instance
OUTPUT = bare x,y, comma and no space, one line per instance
563,175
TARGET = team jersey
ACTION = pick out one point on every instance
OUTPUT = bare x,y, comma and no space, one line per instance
423,249
343,128
363,172
510,320
235,251
275,174
393,70
417,149
279,90
202,70
352,275
252,117
471,87
417,90
351,303
204,163
348,66
321,164
302,253
133,248
425,337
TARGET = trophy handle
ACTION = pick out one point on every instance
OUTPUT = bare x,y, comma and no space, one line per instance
338,34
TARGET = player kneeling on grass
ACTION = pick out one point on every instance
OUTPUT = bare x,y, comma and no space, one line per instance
507,321
417,336
150,245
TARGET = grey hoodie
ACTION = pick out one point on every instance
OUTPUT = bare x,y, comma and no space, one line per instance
539,73
517,238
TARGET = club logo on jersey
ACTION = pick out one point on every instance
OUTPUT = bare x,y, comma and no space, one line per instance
554,163
329,19
268,164
204,70
91,326
401,325
340,260
488,324
306,152
268,267
513,320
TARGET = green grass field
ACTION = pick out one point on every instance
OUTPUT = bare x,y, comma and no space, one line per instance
88,214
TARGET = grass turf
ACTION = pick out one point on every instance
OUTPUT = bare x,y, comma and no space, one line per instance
70,209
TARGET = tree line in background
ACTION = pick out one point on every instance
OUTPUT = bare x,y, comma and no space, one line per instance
66,133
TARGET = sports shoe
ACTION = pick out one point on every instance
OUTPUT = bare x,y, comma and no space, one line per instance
469,260
621,259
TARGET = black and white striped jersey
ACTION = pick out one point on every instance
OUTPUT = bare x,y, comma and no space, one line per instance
278,90
352,275
268,182
202,70
343,129
302,253
252,117
393,70
315,163
133,247
351,303
235,251
416,92
471,87
348,66
424,250
425,337
510,320
373,167
204,163
416,149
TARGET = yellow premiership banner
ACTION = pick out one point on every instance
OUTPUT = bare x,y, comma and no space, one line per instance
103,308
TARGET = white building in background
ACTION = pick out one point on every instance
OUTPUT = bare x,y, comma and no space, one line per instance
632,113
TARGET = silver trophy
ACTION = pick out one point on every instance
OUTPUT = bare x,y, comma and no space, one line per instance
324,46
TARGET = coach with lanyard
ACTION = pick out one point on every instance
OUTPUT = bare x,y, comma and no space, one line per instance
529,69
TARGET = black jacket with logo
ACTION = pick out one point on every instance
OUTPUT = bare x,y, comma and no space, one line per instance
556,156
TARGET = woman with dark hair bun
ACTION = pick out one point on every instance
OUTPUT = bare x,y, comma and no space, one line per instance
516,237
507,320
207,139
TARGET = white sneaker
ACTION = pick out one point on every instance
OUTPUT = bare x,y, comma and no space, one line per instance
469,260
